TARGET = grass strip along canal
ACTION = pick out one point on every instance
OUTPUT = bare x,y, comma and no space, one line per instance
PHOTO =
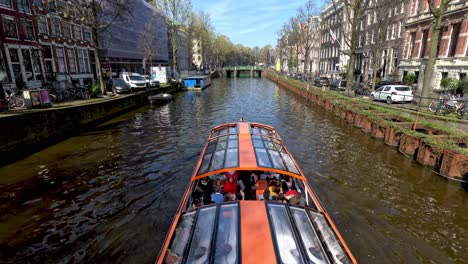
433,141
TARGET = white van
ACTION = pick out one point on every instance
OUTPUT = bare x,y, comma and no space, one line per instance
135,80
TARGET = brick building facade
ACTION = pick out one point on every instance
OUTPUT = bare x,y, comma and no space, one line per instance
452,53
44,41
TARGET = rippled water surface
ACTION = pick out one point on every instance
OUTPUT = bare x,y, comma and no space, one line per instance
109,195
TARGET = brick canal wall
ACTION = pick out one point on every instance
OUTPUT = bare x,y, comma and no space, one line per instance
27,132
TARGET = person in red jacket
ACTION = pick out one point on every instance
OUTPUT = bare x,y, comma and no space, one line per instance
230,186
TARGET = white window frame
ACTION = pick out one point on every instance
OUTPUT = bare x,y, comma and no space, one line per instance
10,6
16,26
60,68
44,18
71,60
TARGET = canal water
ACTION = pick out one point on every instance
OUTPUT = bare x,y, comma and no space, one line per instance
109,195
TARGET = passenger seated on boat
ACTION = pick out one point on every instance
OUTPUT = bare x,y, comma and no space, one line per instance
265,196
269,178
240,190
229,197
203,191
253,183
217,197
288,184
196,203
218,183
275,188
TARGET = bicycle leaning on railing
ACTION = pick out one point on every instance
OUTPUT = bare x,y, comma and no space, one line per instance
447,104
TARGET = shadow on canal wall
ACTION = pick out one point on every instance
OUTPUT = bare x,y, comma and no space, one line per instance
444,151
28,132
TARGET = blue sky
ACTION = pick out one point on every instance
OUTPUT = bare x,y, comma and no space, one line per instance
250,22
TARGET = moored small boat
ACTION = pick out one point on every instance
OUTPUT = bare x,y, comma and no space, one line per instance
248,202
162,97
196,82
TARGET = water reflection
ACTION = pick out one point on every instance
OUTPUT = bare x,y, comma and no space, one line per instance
110,194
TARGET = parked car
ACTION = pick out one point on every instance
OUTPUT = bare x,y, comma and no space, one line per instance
321,81
393,93
135,80
383,83
118,86
338,85
150,82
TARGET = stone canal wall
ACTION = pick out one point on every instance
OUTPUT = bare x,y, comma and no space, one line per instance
30,130
445,151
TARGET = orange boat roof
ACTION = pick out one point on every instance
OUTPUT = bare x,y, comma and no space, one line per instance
245,146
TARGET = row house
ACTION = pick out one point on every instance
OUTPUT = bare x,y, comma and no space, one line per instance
452,48
67,45
20,63
333,57
44,41
382,28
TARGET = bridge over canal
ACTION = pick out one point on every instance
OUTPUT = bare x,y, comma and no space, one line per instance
235,72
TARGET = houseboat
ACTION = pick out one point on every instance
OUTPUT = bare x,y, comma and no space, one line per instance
248,202
196,83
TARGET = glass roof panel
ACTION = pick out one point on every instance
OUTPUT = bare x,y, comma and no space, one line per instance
258,143
201,240
205,163
308,236
211,147
233,130
232,158
284,236
221,145
182,235
337,252
218,160
232,143
289,163
262,158
277,161
226,248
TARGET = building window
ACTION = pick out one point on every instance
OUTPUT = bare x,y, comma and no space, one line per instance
395,57
56,27
38,3
28,28
42,25
61,60
77,32
5,3
411,47
3,72
9,27
441,32
454,39
71,60
424,43
87,34
66,30
83,59
23,6
48,60
52,6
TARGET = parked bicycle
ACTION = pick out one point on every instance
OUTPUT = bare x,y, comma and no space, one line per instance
446,104
14,100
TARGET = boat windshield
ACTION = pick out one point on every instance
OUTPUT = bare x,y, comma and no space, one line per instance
300,235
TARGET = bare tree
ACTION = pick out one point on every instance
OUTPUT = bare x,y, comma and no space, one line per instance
379,13
438,13
354,11
202,30
306,30
100,16
178,13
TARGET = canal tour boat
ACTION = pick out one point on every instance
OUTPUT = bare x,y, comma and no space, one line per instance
248,202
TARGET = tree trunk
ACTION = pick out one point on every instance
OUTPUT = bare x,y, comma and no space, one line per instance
97,56
375,66
174,49
429,70
352,49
